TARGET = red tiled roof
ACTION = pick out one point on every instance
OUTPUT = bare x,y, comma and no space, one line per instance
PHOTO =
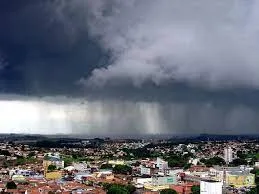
182,189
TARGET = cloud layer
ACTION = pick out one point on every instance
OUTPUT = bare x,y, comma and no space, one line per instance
206,43
53,115
146,54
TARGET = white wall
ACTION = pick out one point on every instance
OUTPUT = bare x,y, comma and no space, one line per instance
211,187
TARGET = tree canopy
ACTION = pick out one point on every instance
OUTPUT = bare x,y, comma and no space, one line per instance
119,189
122,169
177,160
168,191
238,162
195,189
52,167
106,166
11,185
213,161
5,153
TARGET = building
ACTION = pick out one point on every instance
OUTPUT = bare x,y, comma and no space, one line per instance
211,187
182,189
240,179
81,167
228,154
53,175
18,178
166,180
217,173
145,170
256,164
161,164
26,173
142,181
116,162
160,183
53,161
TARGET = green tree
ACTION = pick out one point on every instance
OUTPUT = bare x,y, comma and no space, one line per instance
252,191
5,153
255,171
130,188
178,160
122,169
213,161
117,189
31,154
203,160
11,185
68,161
120,189
106,166
137,163
138,153
240,154
106,186
239,161
52,167
195,189
168,191
20,161
187,166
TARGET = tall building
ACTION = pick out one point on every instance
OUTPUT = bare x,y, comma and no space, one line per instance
211,187
228,155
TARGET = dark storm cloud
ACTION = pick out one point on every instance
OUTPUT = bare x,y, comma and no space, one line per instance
205,43
46,54
115,117
129,66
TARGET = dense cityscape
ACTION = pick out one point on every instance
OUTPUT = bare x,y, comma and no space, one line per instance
104,165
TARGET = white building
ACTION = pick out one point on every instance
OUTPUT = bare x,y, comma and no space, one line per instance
174,172
166,180
142,180
161,164
193,161
145,171
21,172
211,187
228,154
81,167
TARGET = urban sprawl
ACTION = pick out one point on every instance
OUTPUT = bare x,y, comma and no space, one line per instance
128,166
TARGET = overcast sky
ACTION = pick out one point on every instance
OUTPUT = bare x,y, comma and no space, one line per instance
129,67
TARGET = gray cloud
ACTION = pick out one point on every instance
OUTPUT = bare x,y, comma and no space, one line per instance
41,39
52,115
206,43
161,47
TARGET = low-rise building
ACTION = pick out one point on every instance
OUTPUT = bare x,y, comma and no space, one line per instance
240,179
55,175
